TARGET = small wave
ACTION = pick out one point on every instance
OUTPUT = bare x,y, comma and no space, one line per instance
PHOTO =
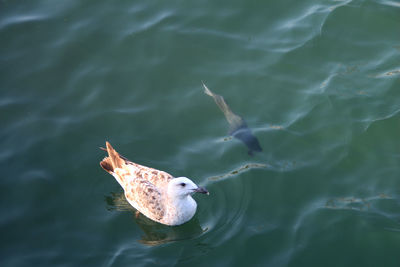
354,203
239,170
22,18
228,214
368,205
369,121
380,205
148,23
389,3
29,12
388,74
133,110
307,23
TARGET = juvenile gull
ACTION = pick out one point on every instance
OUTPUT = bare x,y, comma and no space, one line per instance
154,193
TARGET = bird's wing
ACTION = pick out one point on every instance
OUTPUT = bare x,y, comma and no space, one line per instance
158,178
116,163
146,198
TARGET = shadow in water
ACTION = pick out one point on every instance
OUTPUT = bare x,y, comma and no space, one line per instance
155,233
237,126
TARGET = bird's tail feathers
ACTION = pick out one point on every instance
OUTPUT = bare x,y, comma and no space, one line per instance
107,165
113,161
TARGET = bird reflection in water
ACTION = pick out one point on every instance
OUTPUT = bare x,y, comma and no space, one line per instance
155,233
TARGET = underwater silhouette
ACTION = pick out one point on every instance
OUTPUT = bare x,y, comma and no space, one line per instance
237,126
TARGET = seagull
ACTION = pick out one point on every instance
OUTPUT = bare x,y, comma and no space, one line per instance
154,193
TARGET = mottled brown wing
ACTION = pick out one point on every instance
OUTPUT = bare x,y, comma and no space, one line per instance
146,198
119,164
158,178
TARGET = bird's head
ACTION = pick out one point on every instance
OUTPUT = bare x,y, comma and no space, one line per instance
182,187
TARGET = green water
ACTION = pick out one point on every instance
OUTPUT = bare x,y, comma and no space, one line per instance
316,81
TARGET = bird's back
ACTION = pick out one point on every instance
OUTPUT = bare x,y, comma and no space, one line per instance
158,178
145,188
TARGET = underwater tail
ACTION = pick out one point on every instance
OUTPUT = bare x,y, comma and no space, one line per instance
206,90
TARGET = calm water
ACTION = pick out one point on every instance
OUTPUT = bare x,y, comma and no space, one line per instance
317,81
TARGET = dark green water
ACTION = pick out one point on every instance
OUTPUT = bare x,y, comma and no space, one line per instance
317,81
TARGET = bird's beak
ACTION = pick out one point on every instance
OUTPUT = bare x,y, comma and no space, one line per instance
201,190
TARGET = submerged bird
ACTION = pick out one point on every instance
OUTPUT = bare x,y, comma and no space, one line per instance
237,126
156,194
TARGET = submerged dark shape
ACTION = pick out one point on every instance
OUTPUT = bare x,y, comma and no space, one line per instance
237,126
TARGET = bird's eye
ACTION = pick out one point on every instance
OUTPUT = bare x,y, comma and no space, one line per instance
182,184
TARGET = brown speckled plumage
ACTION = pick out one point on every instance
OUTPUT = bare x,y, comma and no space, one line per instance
141,184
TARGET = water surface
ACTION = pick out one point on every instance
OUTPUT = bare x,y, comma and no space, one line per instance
316,81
